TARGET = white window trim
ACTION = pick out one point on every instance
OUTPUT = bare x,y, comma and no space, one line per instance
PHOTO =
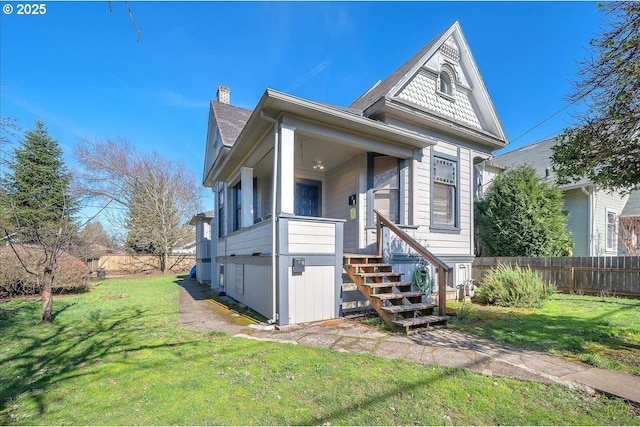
613,248
434,226
452,82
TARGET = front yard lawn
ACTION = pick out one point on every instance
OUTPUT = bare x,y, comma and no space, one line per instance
116,356
604,332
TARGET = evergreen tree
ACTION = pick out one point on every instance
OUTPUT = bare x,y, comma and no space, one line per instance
36,194
522,216
37,185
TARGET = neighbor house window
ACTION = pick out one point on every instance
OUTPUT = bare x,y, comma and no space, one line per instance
221,211
386,179
444,207
237,206
612,234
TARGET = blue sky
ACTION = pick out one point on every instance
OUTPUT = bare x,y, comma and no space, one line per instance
80,69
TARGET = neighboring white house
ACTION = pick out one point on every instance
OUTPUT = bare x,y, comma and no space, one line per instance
296,182
202,222
186,249
594,214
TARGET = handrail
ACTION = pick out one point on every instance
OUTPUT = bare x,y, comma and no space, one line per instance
443,269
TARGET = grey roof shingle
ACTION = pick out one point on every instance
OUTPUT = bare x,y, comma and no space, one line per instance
381,88
230,120
632,208
536,155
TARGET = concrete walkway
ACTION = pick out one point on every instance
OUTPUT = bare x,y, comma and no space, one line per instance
443,347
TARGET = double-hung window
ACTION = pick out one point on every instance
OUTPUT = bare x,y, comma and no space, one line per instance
221,211
444,203
237,206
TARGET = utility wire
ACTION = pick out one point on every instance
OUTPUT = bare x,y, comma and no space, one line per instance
546,120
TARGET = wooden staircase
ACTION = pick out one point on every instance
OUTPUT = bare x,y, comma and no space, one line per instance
402,309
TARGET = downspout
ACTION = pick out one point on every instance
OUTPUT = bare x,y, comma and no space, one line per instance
274,191
589,219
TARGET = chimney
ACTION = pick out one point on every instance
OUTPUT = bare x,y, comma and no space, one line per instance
223,95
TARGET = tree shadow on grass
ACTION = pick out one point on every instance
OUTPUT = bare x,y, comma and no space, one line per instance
42,355
564,333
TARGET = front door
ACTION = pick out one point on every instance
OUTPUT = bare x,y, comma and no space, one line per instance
308,198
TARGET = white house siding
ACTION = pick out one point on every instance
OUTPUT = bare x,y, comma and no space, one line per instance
577,203
340,183
603,201
312,237
312,294
247,241
251,285
203,252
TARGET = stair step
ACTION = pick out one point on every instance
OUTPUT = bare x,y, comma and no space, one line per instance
386,284
398,295
368,265
407,307
423,320
365,258
380,274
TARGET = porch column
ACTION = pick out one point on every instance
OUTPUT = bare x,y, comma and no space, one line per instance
246,177
287,167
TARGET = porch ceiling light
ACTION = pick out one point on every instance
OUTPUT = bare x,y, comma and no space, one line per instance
318,165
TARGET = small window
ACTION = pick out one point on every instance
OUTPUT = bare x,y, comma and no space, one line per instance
612,234
445,83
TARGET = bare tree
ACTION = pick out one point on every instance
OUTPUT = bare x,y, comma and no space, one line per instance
630,234
133,21
153,197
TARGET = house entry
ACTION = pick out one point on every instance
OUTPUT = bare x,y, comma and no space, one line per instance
307,198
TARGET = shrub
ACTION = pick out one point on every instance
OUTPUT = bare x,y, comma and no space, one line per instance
512,286
522,215
70,275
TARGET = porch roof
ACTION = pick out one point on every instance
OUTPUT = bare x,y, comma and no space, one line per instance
274,105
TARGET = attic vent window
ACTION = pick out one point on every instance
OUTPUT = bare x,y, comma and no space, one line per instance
445,85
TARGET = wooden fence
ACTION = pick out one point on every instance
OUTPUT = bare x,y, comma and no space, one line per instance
136,264
607,276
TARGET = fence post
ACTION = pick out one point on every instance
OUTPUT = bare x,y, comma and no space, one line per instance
571,279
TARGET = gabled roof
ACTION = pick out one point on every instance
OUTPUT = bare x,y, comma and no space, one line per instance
538,156
411,92
632,208
230,120
388,138
382,87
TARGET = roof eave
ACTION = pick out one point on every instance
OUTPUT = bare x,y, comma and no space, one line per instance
395,107
284,103
274,104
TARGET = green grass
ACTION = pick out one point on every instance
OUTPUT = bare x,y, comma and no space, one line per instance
604,332
115,356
